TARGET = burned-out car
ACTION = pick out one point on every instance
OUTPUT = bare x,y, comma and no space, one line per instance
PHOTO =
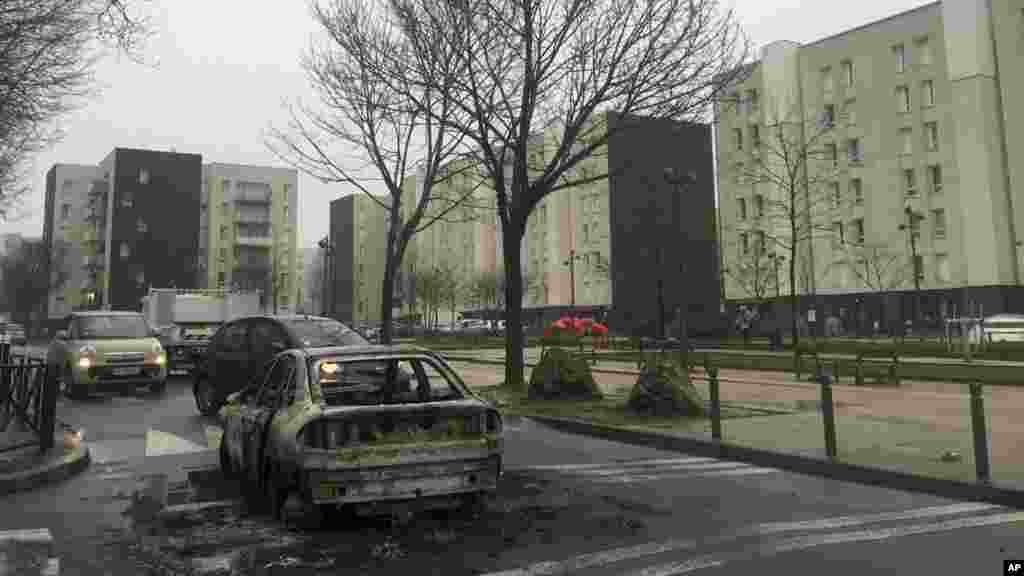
361,425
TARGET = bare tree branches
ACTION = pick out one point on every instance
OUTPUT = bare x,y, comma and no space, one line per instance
535,79
877,266
48,49
387,108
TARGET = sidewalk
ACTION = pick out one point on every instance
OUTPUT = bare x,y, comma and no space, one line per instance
918,427
27,468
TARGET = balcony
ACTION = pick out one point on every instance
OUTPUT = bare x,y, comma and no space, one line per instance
255,241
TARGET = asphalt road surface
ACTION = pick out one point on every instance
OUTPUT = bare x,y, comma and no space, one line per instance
567,505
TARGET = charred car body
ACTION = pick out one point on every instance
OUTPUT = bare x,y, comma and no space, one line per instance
361,426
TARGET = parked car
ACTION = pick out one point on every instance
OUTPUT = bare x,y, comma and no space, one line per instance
14,332
238,351
102,351
353,425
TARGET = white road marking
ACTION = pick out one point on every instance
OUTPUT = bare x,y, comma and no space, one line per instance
196,507
719,465
616,555
813,541
33,536
161,443
630,478
626,464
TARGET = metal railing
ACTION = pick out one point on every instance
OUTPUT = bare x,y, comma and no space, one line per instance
28,399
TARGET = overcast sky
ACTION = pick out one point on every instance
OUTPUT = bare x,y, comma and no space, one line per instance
224,67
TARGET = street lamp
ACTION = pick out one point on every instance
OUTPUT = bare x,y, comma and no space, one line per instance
571,263
913,218
325,245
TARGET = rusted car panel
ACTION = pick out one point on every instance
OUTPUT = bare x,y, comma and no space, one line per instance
409,429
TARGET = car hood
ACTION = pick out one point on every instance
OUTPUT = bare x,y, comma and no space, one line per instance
105,345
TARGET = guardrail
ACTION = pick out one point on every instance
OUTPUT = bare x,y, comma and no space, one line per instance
28,395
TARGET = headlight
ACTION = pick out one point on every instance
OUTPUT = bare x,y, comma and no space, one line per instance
86,356
157,354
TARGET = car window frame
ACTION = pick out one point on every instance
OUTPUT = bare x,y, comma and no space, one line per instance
220,348
454,383
265,386
256,323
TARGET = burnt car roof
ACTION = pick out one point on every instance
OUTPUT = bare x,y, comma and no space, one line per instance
286,317
372,349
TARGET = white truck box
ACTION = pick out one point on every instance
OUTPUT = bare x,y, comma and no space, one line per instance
167,306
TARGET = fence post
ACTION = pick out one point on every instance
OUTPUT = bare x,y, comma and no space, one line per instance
859,374
796,363
981,463
716,404
829,418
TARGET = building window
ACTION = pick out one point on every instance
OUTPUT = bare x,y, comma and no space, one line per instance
909,182
935,178
65,212
927,94
858,231
907,141
857,190
828,116
902,99
942,268
832,154
220,278
125,250
752,100
744,243
826,80
140,226
285,211
143,176
900,55
586,233
931,135
939,222
127,201
759,206
738,135
853,150
850,111
924,52
742,203
837,234
848,73
755,136
835,195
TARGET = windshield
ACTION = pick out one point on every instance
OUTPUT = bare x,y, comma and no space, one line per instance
384,381
313,333
93,327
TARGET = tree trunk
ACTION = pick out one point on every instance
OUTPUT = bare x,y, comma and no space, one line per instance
511,237
392,258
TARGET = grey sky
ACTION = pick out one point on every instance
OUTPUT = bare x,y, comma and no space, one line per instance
224,67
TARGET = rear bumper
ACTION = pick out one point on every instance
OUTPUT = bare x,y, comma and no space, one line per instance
407,482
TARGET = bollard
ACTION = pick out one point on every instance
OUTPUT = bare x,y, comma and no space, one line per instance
835,370
716,404
829,418
981,463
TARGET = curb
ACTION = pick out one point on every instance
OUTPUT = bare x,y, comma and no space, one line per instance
51,472
801,463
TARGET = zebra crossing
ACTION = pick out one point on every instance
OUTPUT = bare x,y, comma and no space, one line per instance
636,471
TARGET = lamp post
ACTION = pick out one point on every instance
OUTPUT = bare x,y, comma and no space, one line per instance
913,218
325,245
571,263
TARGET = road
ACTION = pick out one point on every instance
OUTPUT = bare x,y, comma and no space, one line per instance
567,505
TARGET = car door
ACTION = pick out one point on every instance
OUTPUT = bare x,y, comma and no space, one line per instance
266,339
263,410
228,368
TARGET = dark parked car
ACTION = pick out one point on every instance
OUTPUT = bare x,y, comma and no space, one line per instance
239,350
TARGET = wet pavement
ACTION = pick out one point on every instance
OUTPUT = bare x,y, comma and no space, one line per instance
566,504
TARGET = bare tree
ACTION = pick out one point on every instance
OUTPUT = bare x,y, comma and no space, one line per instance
380,124
26,286
48,49
797,164
877,267
537,79
753,271
430,293
486,289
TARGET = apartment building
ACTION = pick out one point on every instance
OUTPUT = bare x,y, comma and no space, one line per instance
115,229
356,262
248,232
573,236
917,117
68,233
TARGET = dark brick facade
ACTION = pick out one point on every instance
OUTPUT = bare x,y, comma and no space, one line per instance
340,298
164,248
662,230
